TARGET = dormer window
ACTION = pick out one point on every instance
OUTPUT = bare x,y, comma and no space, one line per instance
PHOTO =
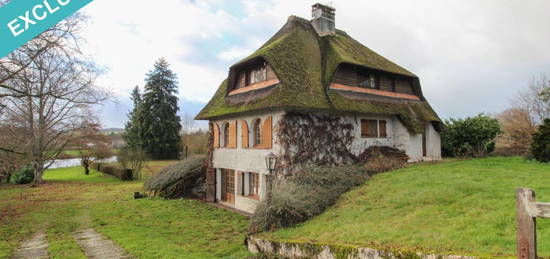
367,80
253,75
257,75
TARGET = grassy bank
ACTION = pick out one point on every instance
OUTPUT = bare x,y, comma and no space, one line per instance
147,228
464,207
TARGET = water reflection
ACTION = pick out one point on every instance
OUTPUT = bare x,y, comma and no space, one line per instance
61,163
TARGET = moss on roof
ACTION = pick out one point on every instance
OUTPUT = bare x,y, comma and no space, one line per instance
295,57
341,48
305,63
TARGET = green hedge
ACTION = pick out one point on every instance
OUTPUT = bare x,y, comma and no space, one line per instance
124,174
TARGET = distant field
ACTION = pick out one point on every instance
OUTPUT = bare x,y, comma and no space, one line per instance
146,228
154,167
461,207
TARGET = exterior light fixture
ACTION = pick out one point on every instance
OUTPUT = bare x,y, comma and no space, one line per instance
271,162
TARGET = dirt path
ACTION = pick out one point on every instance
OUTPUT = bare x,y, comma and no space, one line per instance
97,246
37,247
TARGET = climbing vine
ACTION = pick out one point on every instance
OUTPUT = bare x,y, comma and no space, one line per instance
314,139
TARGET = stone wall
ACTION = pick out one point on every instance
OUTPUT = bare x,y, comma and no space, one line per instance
326,251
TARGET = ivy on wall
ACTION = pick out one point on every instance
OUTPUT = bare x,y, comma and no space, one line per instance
308,139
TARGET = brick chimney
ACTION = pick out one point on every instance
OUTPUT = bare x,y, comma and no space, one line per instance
324,19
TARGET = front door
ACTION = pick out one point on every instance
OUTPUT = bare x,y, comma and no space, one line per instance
228,186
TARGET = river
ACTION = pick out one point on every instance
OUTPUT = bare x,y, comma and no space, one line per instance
61,163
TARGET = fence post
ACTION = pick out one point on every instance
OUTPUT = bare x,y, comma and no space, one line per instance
526,234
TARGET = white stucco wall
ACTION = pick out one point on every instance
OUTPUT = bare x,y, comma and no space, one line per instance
412,143
359,143
433,139
253,160
245,159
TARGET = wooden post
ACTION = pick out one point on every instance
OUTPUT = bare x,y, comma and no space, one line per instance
526,233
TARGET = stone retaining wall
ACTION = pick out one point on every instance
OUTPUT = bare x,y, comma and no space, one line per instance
321,251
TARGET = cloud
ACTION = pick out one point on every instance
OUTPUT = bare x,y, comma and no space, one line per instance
234,54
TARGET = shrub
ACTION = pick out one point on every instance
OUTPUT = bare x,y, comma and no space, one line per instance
540,148
379,159
306,194
132,158
184,179
470,137
24,175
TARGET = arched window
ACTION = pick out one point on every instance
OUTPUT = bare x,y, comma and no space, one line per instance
257,131
226,135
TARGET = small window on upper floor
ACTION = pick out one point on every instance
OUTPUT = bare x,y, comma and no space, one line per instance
367,80
374,129
256,75
257,131
226,135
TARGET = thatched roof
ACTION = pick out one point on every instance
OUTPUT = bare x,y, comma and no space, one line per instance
305,63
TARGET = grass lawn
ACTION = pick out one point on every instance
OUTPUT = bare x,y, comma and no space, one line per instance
146,228
459,207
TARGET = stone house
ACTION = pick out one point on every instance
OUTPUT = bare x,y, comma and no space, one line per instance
310,94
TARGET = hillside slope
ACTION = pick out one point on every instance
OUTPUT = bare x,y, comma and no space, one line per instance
460,207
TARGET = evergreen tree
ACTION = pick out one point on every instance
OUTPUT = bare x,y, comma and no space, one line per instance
540,147
132,128
160,124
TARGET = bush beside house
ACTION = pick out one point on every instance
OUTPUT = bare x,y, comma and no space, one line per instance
310,191
470,137
184,179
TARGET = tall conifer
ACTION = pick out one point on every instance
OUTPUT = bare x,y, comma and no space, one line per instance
160,125
132,127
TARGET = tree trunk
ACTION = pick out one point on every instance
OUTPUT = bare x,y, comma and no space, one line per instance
38,172
86,169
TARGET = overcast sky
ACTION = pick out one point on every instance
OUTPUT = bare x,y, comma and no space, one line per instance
471,56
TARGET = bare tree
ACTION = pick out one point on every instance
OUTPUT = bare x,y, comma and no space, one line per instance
49,86
12,156
187,123
533,100
63,38
517,129
91,144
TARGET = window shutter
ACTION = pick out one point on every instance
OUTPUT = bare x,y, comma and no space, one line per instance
232,135
244,134
383,132
364,129
369,128
216,134
267,137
